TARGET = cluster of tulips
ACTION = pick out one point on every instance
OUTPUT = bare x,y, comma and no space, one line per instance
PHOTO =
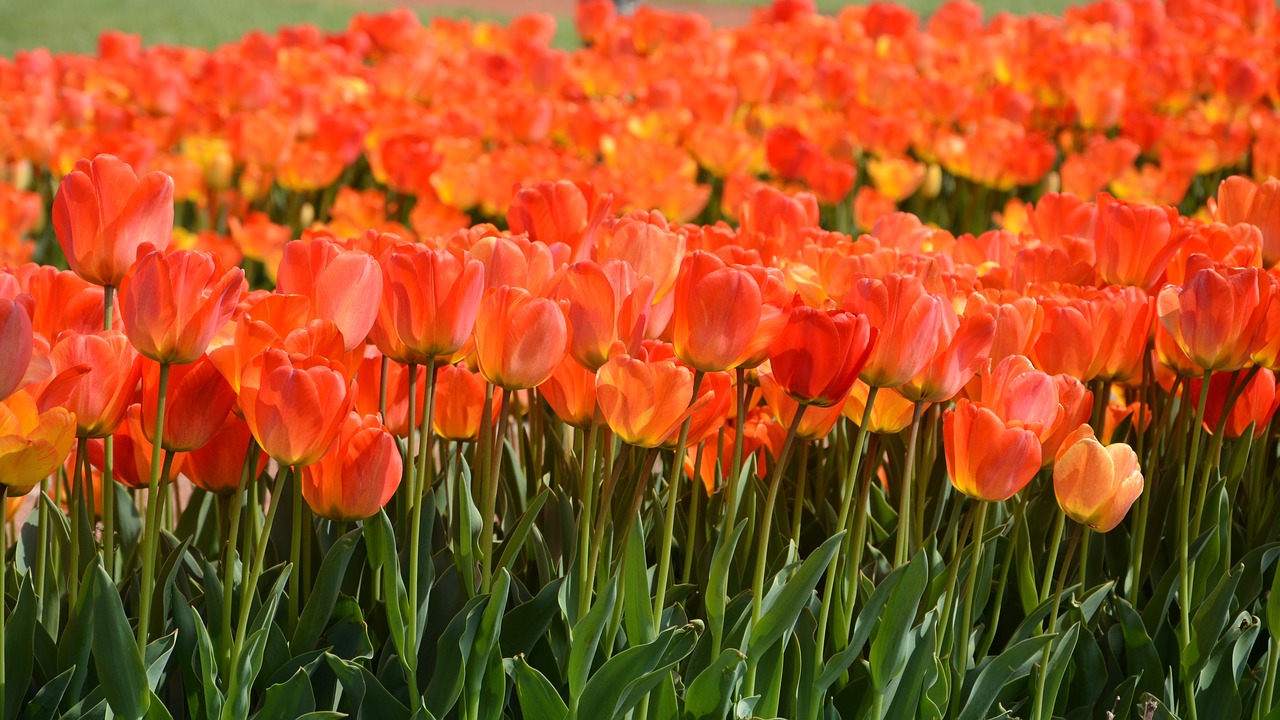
416,372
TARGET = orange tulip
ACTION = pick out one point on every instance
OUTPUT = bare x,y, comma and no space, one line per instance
643,402
172,305
910,321
1122,323
343,285
17,339
1018,321
430,299
104,213
818,355
519,262
1255,405
890,414
1240,200
1214,316
1095,484
459,409
717,313
711,409
295,405
520,339
101,396
1077,406
571,393
263,325
815,424
359,474
563,211
1134,242
647,243
966,344
216,467
32,444
988,458
603,304
132,461
1022,396
198,401
369,388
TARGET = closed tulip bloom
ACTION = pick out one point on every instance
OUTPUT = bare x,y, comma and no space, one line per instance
261,326
101,395
603,304
1077,408
1018,322
890,414
359,474
559,212
103,213
711,409
1066,340
1240,200
1265,350
647,243
520,262
369,389
32,444
295,405
815,424
1021,395
1214,317
910,321
571,393
1095,484
430,300
1134,242
776,304
643,402
172,305
343,286
1254,406
216,467
958,360
1122,323
520,339
17,340
818,355
459,410
717,313
988,458
197,403
132,466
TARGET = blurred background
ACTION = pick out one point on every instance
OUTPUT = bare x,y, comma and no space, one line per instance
73,25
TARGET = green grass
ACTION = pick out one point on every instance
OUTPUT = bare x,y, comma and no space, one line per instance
73,25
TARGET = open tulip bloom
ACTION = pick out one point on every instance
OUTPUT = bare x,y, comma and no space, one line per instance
850,365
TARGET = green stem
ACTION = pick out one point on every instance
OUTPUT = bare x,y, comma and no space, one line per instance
740,390
961,659
415,533
588,483
828,590
1184,550
797,511
109,506
411,454
42,544
691,531
75,502
1038,710
229,556
1051,553
491,498
152,531
382,387
295,554
4,490
669,524
903,548
1269,683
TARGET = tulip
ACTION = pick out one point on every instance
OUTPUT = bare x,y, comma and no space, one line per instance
643,402
104,214
818,355
1240,200
571,393
959,358
295,405
1134,242
563,212
358,475
430,300
1254,405
890,413
172,305
343,285
815,424
717,313
910,322
647,243
217,466
711,409
1021,395
519,262
133,453
604,304
460,401
1095,484
1076,402
112,367
17,339
198,401
369,392
988,458
1214,317
32,444
520,339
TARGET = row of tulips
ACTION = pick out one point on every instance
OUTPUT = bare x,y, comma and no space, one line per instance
622,466
423,130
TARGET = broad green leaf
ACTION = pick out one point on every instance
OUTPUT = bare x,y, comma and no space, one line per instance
289,700
867,621
362,692
585,638
718,581
44,706
157,658
115,651
324,594
1209,621
620,684
1012,664
709,695
528,622
250,662
382,554
538,698
515,542
452,651
1059,661
888,651
906,692
782,605
637,611
19,652
485,641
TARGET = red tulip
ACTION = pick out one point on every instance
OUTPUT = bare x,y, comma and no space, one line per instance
603,304
172,305
359,474
295,405
197,403
1214,317
216,467
112,367
910,322
818,355
988,458
104,213
17,339
717,313
459,409
643,402
430,299
571,393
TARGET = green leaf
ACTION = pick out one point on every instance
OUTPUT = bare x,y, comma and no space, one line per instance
452,651
709,695
636,608
289,700
867,621
246,671
156,709
782,605
207,660
19,650
362,692
511,548
714,600
1012,664
76,642
620,684
906,693
1142,658
528,622
485,641
45,704
324,594
1059,661
157,658
888,656
382,553
115,651
538,698
585,638
1210,619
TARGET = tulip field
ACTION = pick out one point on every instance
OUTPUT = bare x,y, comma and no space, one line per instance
853,365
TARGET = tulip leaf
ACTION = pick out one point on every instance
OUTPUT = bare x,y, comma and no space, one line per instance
324,594
585,638
115,652
250,660
1209,622
19,651
453,650
516,540
44,706
484,643
709,695
888,652
76,642
906,692
718,581
538,698
380,541
1059,660
781,607
290,699
526,623
157,658
363,694
867,621
637,611
619,685
1012,664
